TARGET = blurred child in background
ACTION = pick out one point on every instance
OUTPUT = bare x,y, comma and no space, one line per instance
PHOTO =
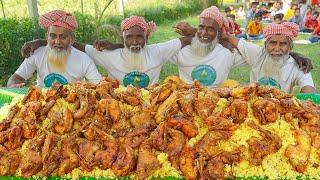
311,22
297,18
278,18
290,12
241,14
255,28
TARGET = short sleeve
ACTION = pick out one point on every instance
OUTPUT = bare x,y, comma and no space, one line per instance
96,55
92,75
27,68
249,51
168,49
305,80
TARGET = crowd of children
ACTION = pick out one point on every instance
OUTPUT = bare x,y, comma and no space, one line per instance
299,12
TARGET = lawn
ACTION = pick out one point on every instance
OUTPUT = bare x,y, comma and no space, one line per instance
165,32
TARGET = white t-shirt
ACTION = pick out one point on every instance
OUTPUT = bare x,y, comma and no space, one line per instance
290,74
210,70
79,67
116,63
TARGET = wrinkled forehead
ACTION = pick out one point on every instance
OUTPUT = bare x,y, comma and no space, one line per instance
208,22
134,31
58,30
278,38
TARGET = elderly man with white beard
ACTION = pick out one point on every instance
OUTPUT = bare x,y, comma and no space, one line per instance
58,61
133,63
272,64
205,59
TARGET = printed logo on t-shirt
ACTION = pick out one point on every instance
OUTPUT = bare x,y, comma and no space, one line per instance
205,74
52,78
137,79
269,81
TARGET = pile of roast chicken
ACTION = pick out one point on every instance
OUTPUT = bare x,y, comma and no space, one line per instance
51,132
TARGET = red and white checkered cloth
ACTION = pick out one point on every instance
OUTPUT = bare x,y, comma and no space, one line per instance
128,23
287,29
214,13
58,18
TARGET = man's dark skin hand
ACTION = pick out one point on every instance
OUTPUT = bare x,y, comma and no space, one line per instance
303,62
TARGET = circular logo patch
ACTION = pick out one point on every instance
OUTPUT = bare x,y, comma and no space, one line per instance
205,74
53,77
269,81
137,79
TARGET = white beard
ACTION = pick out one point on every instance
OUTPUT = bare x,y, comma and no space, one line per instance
273,65
203,49
58,58
136,60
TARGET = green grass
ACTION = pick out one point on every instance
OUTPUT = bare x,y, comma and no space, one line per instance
165,32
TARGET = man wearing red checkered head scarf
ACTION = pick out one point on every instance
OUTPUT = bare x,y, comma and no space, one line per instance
273,64
206,60
58,61
135,62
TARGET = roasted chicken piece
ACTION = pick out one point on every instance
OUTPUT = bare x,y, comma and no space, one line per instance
136,136
33,94
159,137
168,107
50,154
45,110
5,124
114,110
271,92
245,92
215,166
222,92
207,146
9,161
102,114
260,148
176,142
188,163
87,151
11,138
106,86
64,122
132,95
30,111
55,92
186,101
69,154
237,111
126,161
120,128
106,156
147,161
265,110
188,127
161,93
216,122
84,104
204,106
31,162
299,153
143,119
29,129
